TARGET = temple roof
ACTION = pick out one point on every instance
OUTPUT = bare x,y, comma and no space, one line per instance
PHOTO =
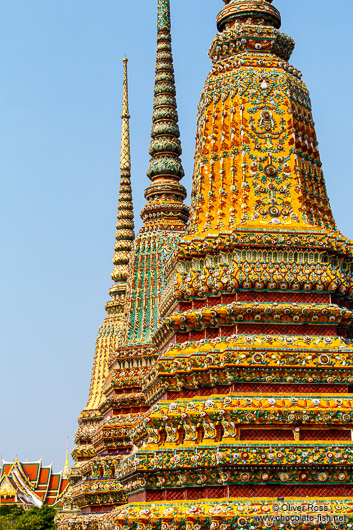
30,483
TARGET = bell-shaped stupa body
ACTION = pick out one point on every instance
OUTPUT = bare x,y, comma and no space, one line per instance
257,160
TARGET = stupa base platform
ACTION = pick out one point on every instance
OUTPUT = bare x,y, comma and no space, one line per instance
222,514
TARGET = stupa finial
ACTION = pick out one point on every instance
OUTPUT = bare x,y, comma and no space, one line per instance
125,218
66,470
165,195
125,162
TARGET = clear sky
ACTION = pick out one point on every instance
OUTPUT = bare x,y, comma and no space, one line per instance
60,105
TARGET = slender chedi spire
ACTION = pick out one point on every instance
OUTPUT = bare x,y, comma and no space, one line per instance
91,417
165,195
125,218
124,239
110,329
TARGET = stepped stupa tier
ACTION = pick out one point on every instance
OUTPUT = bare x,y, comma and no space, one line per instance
232,385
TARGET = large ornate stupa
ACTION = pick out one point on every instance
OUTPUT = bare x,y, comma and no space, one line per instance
227,400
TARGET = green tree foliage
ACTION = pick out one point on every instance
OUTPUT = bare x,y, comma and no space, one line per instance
5,523
14,518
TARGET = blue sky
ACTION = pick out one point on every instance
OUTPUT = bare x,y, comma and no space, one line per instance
60,105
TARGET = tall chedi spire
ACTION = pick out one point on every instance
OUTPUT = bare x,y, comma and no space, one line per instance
251,409
165,195
109,330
